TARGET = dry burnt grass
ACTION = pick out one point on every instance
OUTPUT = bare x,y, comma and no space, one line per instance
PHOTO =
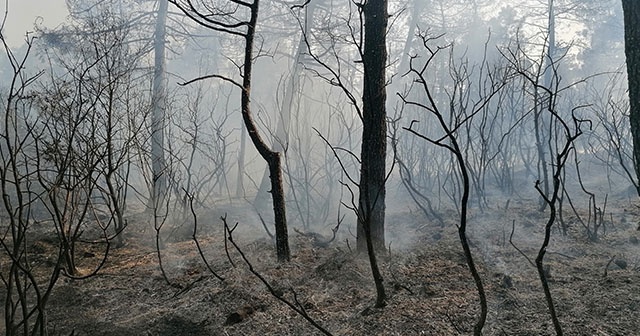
428,283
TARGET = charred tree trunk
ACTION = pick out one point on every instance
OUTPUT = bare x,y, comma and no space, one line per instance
371,205
281,137
631,10
272,158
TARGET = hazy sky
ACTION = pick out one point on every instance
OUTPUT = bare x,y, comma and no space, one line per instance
23,14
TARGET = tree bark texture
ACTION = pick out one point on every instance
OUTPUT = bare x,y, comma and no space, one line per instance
371,204
631,9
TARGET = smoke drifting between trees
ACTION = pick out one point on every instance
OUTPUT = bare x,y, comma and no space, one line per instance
143,109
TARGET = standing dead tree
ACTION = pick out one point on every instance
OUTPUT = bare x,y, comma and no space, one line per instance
365,25
451,124
563,129
631,11
225,17
560,161
25,296
373,176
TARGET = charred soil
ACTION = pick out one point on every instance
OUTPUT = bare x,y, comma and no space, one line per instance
596,285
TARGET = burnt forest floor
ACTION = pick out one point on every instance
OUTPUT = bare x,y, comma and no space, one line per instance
429,287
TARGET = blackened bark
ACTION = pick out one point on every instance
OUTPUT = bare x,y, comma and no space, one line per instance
272,158
462,234
371,207
631,9
540,266
561,159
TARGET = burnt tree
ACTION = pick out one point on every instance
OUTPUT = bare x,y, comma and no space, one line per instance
206,15
631,9
371,205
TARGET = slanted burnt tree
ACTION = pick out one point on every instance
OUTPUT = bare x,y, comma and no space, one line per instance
631,10
209,16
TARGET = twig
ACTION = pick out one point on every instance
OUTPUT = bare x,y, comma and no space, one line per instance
264,225
278,295
301,6
513,229
188,287
226,246
453,323
195,238
157,225
607,266
561,254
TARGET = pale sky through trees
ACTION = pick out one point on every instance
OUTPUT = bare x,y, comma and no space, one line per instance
24,13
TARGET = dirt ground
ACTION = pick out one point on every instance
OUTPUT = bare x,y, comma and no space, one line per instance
595,285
